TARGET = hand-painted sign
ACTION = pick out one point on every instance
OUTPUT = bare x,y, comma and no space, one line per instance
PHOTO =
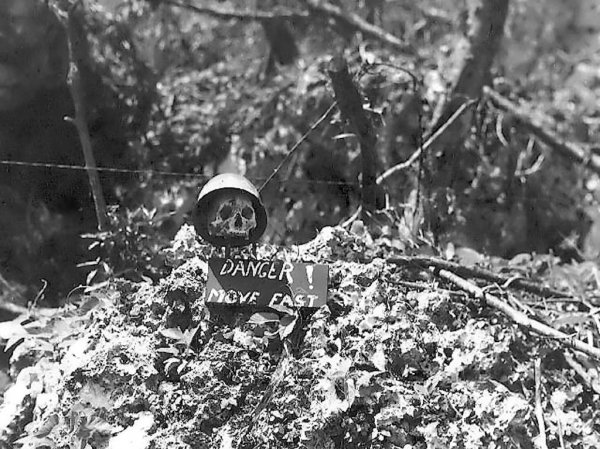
266,283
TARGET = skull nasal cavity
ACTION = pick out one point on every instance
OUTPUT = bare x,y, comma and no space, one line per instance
238,221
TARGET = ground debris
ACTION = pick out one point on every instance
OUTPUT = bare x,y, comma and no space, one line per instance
383,365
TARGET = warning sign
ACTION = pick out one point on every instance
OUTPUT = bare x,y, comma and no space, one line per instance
266,283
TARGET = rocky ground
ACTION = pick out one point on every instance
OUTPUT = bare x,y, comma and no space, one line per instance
396,359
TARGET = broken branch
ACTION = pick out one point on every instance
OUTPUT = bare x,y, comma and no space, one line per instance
480,273
517,316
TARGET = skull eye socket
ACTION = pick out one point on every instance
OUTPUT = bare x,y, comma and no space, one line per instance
247,212
225,212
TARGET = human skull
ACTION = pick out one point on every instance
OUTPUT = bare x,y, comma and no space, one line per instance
232,215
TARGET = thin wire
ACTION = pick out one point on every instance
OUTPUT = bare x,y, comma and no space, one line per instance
158,172
297,144
103,169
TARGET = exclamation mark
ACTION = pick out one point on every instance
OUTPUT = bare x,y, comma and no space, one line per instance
309,275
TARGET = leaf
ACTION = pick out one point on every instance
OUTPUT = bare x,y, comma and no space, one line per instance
188,336
91,263
262,318
13,329
282,308
99,286
35,442
287,325
351,392
181,368
136,436
378,358
170,350
170,363
90,277
343,136
50,423
100,426
88,304
172,333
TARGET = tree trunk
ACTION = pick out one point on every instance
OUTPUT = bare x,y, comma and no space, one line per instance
486,26
350,103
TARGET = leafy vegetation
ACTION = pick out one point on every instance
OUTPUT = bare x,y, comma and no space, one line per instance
402,355
382,365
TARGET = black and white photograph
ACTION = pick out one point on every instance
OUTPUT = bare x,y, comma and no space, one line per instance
299,224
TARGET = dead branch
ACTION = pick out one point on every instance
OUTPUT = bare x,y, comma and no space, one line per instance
355,21
222,13
413,157
432,139
476,272
566,149
519,317
350,104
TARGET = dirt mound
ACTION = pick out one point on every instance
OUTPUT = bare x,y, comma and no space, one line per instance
394,360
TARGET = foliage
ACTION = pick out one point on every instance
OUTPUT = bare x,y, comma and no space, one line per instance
380,366
394,359
130,247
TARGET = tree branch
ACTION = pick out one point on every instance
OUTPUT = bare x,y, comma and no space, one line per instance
566,149
355,21
434,137
238,15
480,273
519,317
80,121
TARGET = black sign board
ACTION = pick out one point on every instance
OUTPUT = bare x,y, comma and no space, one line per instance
266,283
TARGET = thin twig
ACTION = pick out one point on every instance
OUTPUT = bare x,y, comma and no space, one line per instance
559,424
297,144
417,285
39,296
428,143
517,316
539,411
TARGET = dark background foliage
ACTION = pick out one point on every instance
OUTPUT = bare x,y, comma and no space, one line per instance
182,94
